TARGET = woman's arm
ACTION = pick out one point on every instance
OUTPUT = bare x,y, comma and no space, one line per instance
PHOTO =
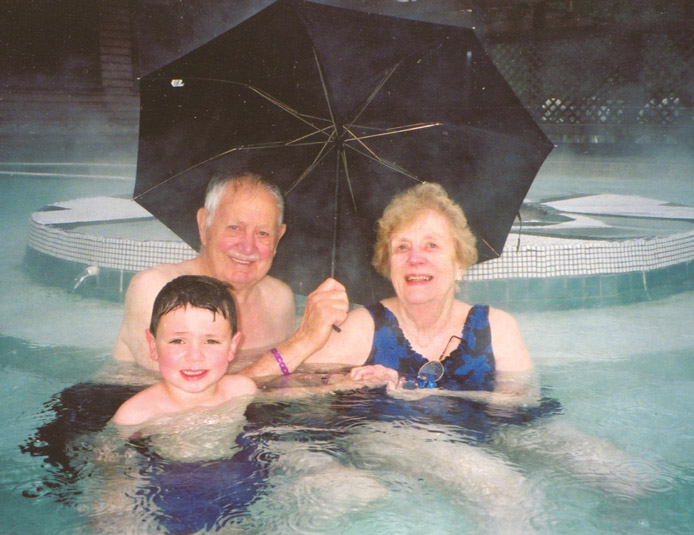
510,353
515,382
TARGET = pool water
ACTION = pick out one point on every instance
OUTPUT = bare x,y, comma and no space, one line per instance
623,374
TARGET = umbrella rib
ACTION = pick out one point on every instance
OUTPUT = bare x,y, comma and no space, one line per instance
325,89
386,77
376,90
315,162
376,157
321,131
285,107
259,146
391,131
322,153
289,109
497,253
359,140
333,134
391,165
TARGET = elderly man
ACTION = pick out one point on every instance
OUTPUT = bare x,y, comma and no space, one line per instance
240,227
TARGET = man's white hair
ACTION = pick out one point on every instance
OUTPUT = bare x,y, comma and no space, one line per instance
219,184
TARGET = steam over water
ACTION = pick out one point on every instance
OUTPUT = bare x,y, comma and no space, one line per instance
623,374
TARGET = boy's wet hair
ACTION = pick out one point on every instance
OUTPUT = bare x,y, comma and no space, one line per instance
196,291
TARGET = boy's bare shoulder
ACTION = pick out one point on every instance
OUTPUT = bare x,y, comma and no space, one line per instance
139,408
236,385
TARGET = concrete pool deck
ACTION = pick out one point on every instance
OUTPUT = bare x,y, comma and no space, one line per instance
586,250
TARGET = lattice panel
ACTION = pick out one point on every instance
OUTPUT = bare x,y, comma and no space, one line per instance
662,111
519,62
611,78
591,110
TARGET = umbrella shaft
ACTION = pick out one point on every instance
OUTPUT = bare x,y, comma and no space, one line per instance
333,255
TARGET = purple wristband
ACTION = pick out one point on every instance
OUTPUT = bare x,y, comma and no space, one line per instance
280,361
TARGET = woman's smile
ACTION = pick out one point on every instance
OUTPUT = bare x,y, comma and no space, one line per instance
418,278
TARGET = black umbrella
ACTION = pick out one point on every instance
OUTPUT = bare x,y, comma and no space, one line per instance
341,109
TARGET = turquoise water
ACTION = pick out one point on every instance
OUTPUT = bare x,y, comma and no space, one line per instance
624,374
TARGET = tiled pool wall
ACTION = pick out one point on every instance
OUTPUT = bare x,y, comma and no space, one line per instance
109,284
537,277
104,251
583,273
556,293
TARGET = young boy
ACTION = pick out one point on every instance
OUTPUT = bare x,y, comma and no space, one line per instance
193,337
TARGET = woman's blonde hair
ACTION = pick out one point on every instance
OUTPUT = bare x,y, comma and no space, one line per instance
406,206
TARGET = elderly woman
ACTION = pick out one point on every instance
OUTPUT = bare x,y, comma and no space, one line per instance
424,246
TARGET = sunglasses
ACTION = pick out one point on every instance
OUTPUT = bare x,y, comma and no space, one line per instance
431,371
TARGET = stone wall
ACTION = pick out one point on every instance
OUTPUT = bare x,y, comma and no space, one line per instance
49,121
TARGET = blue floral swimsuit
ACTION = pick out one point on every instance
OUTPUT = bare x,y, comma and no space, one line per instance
470,366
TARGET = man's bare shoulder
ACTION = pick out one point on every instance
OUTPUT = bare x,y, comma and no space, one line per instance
130,344
145,285
163,273
276,296
277,287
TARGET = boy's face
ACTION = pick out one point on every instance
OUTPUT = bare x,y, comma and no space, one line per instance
193,347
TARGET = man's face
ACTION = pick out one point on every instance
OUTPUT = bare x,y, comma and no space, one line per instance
240,241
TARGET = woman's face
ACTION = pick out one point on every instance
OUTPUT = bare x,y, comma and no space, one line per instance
423,263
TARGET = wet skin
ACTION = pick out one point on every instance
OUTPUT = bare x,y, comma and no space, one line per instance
423,264
193,347
241,240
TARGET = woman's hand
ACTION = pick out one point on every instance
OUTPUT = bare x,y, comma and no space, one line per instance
376,375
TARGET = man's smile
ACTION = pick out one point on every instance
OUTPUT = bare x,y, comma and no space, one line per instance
241,260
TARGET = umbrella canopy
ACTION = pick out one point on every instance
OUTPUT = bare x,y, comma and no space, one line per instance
341,109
